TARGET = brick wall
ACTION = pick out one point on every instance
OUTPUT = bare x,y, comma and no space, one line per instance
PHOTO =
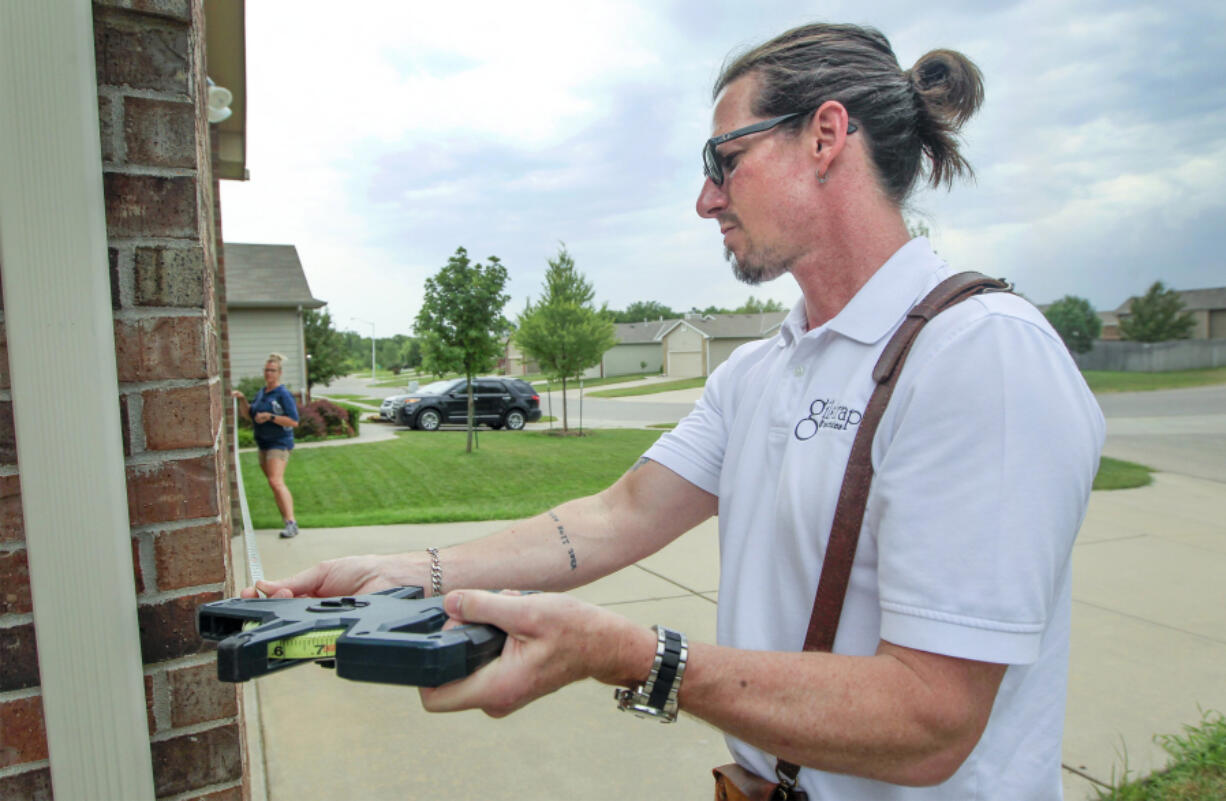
161,219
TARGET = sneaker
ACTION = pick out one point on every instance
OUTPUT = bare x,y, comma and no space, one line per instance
291,530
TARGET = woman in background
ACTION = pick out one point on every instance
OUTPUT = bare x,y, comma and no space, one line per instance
275,416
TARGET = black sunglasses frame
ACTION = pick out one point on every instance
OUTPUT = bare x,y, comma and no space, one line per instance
713,162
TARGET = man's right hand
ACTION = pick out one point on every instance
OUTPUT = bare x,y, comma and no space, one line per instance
350,575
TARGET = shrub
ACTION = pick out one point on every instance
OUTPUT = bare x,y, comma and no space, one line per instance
355,417
311,423
246,437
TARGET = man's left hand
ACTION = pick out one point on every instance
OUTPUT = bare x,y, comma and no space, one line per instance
552,640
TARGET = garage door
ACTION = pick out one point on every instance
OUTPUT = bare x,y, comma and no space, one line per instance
684,364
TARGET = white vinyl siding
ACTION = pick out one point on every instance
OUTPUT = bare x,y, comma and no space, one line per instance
721,349
628,359
255,333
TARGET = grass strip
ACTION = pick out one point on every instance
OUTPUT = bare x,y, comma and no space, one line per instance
650,389
1119,381
573,384
1116,474
1196,770
426,477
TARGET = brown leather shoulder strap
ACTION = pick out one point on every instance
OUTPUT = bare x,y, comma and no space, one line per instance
853,496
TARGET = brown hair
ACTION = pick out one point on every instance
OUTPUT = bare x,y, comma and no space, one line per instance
905,116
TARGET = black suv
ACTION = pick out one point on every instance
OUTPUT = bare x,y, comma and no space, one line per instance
497,402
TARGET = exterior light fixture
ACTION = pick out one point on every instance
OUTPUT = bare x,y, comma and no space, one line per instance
220,99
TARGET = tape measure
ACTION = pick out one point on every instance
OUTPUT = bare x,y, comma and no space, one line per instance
316,645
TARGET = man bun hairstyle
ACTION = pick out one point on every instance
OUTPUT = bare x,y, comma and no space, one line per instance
909,119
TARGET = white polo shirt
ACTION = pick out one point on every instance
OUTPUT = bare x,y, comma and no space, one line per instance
983,465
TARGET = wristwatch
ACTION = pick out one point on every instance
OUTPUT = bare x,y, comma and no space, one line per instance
657,697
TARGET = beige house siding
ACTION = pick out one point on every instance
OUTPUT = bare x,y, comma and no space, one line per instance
255,333
628,359
720,349
1217,324
684,353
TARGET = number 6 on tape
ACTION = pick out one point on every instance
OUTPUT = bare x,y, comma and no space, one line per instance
394,637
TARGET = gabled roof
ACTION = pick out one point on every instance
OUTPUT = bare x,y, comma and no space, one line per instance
266,277
1193,300
640,333
732,326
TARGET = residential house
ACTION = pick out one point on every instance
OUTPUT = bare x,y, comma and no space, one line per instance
115,512
696,345
266,295
1207,306
637,350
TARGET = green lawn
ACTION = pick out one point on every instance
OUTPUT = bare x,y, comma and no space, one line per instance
1116,381
376,402
1116,474
573,384
650,389
1195,772
427,477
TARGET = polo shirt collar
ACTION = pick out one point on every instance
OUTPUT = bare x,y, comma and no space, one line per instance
875,310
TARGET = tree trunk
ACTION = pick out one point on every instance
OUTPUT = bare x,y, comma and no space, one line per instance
564,426
470,414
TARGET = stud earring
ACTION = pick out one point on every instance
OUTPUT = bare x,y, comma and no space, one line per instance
822,179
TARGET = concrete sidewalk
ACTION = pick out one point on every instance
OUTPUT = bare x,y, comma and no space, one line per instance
1149,648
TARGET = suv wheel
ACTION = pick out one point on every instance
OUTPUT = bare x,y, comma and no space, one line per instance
428,420
514,420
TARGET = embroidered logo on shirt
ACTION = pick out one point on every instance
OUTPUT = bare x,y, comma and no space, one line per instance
826,413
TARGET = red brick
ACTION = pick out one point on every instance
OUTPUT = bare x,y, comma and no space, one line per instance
151,718
106,128
181,489
150,205
112,257
197,760
196,696
23,738
34,785
8,434
168,628
143,56
18,658
173,9
159,133
189,557
234,793
14,584
4,358
137,572
161,348
170,277
12,526
184,417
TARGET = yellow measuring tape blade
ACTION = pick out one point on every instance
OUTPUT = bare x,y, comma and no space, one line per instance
316,645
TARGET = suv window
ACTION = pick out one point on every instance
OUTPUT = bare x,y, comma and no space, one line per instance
488,388
521,387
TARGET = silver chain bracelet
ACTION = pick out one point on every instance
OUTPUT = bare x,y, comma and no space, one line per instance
436,572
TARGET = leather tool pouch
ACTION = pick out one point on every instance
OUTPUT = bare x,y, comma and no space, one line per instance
735,783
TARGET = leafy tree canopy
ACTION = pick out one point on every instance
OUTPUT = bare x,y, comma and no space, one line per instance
460,325
643,311
325,348
1076,322
563,331
1157,316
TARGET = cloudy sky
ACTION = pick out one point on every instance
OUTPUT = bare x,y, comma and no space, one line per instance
382,135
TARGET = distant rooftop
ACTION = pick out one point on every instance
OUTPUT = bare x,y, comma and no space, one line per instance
266,276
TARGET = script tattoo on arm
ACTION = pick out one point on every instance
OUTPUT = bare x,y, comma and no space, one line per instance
574,561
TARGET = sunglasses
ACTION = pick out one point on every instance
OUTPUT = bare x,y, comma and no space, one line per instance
713,162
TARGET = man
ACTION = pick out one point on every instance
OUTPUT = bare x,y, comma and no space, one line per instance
948,674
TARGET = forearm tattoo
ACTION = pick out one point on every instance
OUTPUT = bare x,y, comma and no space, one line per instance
574,561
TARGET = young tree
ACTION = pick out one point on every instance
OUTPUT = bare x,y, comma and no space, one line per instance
563,331
460,325
1076,322
325,348
1157,316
